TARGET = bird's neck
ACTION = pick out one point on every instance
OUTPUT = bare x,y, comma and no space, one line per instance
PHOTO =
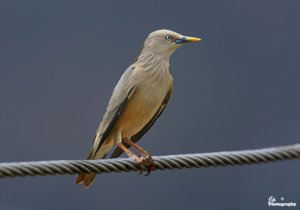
152,61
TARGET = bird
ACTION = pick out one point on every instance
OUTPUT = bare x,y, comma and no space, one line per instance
137,101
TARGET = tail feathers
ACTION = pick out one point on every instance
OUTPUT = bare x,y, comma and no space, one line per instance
85,179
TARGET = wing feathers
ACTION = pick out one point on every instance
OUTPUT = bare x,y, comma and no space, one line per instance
118,110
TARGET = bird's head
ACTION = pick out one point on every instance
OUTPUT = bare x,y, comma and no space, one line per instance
165,42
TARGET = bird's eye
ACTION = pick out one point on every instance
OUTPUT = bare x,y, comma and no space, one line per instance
168,37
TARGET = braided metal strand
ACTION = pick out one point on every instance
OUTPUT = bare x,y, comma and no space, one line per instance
62,167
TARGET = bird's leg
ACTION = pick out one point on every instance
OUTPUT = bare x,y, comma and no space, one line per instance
143,152
139,160
148,161
129,153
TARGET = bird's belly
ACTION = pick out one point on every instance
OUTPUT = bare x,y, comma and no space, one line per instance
140,109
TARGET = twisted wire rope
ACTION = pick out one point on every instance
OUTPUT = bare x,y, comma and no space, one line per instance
199,160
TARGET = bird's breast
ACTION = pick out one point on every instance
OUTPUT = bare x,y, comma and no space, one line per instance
143,104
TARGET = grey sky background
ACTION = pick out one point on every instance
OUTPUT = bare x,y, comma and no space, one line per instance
236,89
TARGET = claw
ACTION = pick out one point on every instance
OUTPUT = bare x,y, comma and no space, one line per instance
139,167
143,161
148,172
140,172
146,162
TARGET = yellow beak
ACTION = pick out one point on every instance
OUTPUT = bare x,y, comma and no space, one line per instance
187,39
192,39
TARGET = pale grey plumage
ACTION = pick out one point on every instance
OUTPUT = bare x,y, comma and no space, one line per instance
139,97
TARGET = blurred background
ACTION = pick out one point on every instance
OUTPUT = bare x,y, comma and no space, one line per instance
236,89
